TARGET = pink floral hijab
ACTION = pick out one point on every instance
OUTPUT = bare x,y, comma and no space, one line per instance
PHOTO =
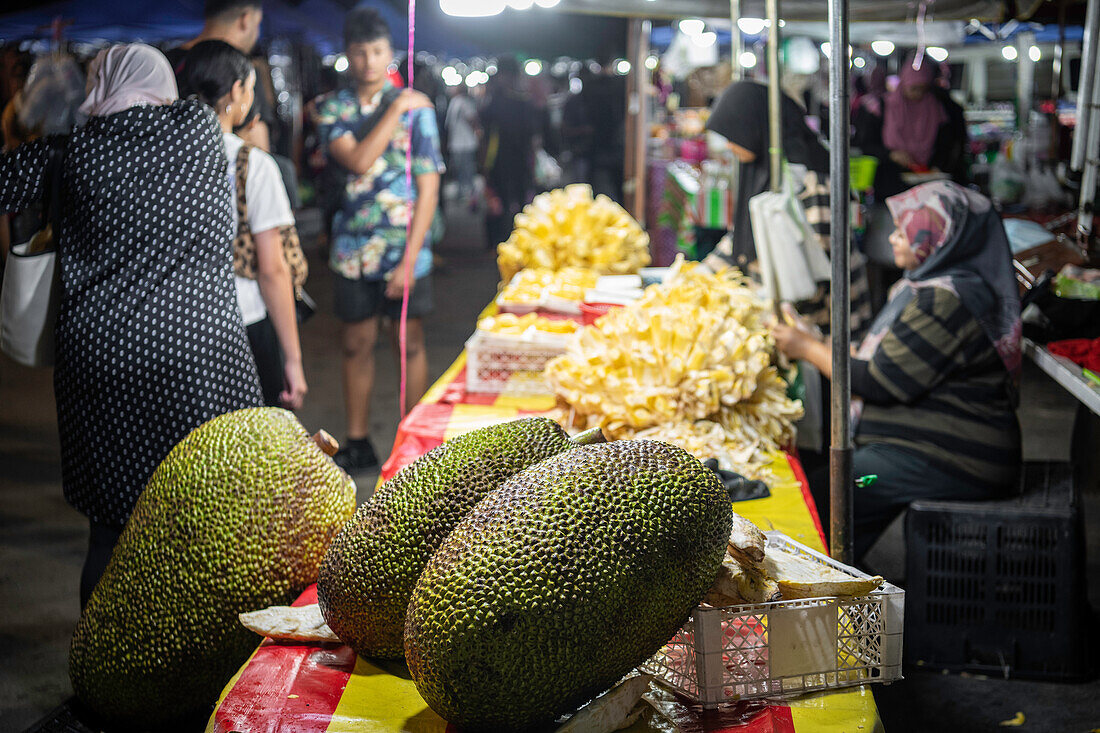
961,246
128,75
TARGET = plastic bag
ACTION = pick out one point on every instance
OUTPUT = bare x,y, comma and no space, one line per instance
547,171
52,95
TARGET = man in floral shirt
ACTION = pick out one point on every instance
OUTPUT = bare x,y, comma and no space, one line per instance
371,250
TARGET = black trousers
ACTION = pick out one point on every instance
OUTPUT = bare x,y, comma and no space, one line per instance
269,359
904,476
101,543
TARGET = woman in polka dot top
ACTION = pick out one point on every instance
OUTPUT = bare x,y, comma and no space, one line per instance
150,341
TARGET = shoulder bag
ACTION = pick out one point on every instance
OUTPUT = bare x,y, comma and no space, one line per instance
31,291
244,247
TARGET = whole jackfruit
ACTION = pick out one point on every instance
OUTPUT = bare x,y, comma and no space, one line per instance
559,583
371,567
235,518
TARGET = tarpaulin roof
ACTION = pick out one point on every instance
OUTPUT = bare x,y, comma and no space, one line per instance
319,23
859,10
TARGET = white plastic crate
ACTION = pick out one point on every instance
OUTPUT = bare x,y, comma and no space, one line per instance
510,365
785,648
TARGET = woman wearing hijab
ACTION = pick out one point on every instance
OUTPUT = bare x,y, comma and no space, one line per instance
912,118
150,342
936,375
741,116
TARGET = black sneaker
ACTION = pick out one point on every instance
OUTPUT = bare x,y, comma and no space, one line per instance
357,456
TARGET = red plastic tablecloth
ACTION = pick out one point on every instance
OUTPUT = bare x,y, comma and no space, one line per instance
300,688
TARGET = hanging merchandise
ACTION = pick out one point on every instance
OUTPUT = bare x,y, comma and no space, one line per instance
791,261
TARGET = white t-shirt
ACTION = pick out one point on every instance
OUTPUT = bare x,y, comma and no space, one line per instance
461,114
268,208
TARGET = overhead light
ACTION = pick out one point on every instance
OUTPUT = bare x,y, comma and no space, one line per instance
575,85
752,26
706,39
622,67
341,64
747,59
533,67
692,26
472,81
937,53
547,3
651,62
472,8
859,62
1034,53
519,4
1009,52
882,48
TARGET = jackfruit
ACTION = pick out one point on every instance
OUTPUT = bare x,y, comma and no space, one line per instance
563,580
371,567
235,518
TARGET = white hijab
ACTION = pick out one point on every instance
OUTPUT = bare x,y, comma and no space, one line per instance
128,75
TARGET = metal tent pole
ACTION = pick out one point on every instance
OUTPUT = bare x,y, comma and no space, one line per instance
840,450
775,140
1086,86
736,47
736,74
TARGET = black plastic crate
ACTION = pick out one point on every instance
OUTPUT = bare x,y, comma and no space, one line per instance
999,587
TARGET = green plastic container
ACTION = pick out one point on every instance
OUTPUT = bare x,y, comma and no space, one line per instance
862,171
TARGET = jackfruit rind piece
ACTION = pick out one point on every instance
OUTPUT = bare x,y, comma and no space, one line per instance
235,518
559,583
371,567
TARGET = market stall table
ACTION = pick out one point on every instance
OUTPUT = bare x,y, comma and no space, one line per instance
310,688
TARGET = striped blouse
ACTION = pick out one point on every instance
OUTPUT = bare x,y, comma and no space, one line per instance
815,201
937,386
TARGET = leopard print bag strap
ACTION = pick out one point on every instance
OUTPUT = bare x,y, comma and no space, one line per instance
295,258
244,247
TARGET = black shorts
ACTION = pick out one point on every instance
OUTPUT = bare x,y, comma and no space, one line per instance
359,300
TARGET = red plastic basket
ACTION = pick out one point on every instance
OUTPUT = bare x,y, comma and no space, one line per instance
591,311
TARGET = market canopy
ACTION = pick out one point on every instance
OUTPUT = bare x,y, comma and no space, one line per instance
859,10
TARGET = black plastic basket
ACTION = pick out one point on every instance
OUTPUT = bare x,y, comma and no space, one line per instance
999,587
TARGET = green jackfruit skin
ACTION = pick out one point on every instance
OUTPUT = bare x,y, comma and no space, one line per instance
555,586
236,518
371,567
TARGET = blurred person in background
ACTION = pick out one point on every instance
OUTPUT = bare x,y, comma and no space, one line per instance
605,104
380,231
237,22
949,152
463,131
150,342
913,117
222,77
510,126
14,66
576,132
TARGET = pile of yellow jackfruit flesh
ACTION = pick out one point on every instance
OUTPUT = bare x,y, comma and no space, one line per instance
532,286
689,364
509,324
567,227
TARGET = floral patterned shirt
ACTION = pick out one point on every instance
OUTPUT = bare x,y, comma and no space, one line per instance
368,230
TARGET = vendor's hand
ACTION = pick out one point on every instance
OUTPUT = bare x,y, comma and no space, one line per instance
395,285
793,334
791,341
411,99
902,158
294,378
